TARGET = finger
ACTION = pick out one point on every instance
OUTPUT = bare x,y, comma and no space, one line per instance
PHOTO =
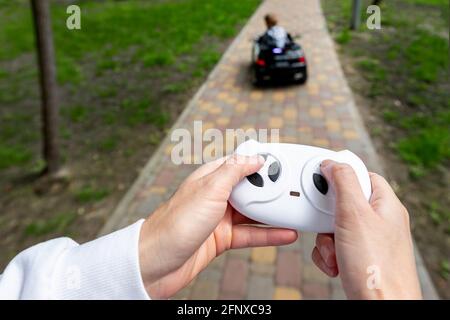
383,197
318,261
251,236
325,245
380,188
235,168
206,169
350,198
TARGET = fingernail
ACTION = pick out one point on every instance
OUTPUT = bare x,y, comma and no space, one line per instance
326,252
261,159
325,163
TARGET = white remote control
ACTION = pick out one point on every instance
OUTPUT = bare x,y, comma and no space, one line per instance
289,191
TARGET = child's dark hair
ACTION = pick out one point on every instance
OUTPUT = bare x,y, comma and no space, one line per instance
271,20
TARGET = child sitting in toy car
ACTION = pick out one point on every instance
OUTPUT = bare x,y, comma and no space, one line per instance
275,32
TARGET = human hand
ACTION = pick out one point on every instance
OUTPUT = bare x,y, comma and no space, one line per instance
198,224
372,247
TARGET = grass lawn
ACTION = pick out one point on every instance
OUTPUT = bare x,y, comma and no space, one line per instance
124,78
401,74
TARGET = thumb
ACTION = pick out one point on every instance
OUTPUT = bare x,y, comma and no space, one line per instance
233,170
349,195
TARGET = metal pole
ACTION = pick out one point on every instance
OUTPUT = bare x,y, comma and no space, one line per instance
356,15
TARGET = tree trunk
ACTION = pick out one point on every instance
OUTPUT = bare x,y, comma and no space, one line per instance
47,74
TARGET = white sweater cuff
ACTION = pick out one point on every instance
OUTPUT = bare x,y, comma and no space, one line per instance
106,268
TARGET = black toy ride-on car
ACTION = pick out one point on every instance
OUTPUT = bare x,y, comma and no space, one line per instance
271,62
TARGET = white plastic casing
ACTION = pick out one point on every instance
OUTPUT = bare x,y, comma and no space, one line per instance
274,204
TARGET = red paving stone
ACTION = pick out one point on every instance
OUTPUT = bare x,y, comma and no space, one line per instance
288,272
234,281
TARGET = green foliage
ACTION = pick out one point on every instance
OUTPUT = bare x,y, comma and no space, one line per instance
107,92
430,2
390,115
89,194
445,269
427,148
344,37
373,69
438,214
209,58
68,71
107,64
427,56
109,144
157,59
76,113
16,32
58,223
174,88
143,111
13,156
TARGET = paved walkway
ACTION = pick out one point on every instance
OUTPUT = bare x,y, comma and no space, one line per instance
321,113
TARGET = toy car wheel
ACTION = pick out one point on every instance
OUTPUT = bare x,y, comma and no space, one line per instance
303,79
256,79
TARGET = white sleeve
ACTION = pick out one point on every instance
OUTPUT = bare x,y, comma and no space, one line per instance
105,268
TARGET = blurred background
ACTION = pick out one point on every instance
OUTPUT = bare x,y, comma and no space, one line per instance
125,77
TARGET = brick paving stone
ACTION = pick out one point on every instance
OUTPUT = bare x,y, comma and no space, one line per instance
310,273
296,246
210,274
183,294
350,135
337,292
158,190
290,113
288,269
240,253
264,255
219,262
205,289
286,293
309,242
333,125
230,296
260,287
262,268
316,112
234,279
146,206
275,122
315,291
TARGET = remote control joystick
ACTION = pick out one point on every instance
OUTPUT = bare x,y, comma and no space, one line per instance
274,171
320,183
289,190
269,173
256,180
